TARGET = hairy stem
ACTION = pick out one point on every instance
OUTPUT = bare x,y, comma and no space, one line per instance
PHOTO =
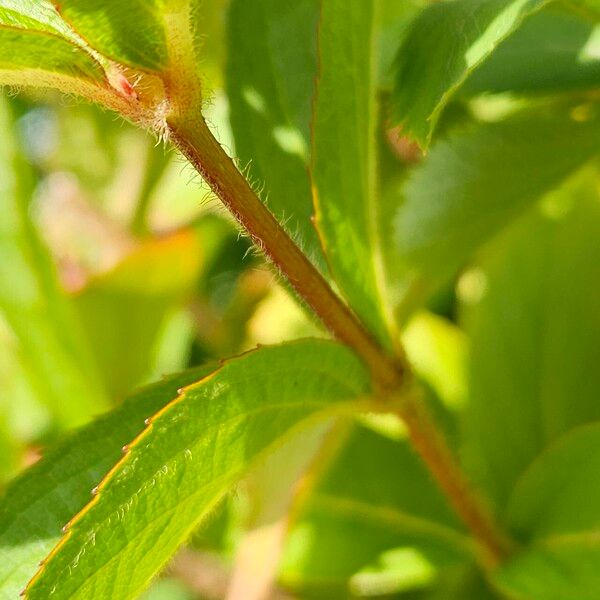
392,376
430,444
198,144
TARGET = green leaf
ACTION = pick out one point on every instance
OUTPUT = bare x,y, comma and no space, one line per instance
437,349
553,51
270,73
343,161
192,453
588,8
559,494
10,450
168,589
38,48
33,15
40,58
480,180
51,344
461,582
393,21
123,311
565,571
556,507
152,35
446,43
37,505
362,509
535,335
129,32
21,406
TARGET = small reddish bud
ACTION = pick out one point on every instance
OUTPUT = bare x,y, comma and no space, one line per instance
125,87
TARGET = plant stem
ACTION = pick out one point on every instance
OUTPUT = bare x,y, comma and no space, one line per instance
431,445
391,376
198,144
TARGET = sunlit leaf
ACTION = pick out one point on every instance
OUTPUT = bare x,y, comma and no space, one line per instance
40,58
39,503
362,509
446,43
33,15
343,161
270,74
553,51
130,32
38,48
438,351
192,453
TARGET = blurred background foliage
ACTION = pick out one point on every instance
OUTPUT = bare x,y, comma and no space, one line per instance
117,266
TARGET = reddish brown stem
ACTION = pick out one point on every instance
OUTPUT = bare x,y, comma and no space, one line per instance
391,376
218,170
433,449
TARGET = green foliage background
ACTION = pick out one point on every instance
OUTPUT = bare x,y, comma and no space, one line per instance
437,162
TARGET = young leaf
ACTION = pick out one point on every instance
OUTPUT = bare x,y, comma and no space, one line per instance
124,310
343,161
362,509
556,506
192,453
446,43
478,181
52,347
37,505
271,68
535,336
551,52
